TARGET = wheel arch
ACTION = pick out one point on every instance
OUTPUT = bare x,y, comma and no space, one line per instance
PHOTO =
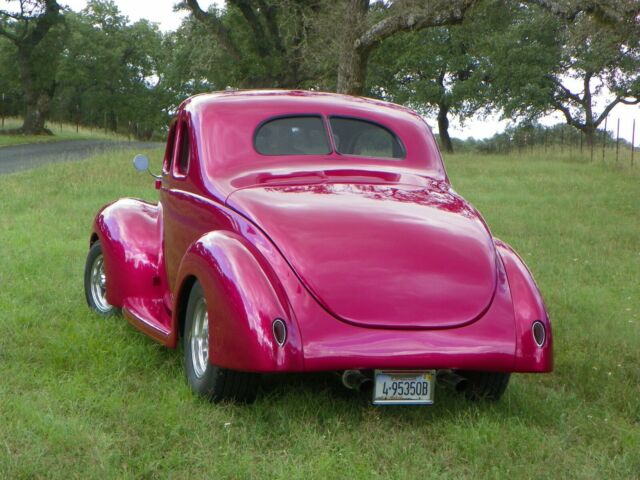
243,301
129,231
181,302
93,239
528,308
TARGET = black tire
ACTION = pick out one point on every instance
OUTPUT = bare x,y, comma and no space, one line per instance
488,386
94,293
212,382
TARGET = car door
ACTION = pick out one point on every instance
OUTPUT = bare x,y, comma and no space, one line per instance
182,224
189,210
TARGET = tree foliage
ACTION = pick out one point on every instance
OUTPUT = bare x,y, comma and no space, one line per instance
111,71
261,41
442,57
563,59
439,70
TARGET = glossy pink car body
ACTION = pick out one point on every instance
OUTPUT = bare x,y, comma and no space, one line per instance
371,263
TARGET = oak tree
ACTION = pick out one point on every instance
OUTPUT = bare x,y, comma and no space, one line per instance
29,28
578,58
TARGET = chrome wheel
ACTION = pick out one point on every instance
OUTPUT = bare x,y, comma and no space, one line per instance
200,339
99,285
204,377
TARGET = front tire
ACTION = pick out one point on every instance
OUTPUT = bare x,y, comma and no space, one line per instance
95,282
212,382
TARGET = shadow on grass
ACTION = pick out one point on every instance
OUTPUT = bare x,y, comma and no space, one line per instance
321,398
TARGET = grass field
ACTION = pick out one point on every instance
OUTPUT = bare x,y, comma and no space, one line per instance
61,131
82,397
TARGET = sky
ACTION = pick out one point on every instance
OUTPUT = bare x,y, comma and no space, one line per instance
162,13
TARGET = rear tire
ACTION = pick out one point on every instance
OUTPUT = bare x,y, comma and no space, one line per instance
212,382
485,385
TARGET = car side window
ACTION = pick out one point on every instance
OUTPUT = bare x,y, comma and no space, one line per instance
182,150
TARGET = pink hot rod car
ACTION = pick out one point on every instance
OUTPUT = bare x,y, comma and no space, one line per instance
300,231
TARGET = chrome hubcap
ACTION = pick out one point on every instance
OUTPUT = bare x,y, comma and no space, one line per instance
99,285
200,338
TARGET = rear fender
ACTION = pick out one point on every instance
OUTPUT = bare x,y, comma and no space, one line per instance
528,307
244,297
130,233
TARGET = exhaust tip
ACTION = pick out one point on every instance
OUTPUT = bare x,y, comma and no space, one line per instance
279,329
356,380
452,380
539,333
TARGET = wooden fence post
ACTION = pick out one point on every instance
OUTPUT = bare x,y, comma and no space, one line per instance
633,140
604,138
618,140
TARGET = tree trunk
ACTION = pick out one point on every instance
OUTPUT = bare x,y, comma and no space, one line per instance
37,109
352,72
352,62
37,100
589,134
443,128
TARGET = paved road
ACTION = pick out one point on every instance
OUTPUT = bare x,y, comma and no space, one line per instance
24,157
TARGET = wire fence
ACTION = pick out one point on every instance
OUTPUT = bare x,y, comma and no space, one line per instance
616,146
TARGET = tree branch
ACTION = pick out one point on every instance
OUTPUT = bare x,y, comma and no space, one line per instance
437,14
214,24
259,35
272,24
44,22
566,92
567,114
7,34
606,111
611,12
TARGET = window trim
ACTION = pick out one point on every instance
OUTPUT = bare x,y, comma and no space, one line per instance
320,116
167,161
371,122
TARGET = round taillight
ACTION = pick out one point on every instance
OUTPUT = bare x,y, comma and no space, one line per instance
279,331
539,333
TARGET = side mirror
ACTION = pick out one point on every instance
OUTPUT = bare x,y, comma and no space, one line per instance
141,163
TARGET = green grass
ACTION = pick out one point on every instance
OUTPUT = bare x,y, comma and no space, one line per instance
61,131
83,397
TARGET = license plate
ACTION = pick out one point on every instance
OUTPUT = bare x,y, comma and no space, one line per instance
410,387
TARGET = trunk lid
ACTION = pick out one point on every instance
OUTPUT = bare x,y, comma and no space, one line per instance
381,255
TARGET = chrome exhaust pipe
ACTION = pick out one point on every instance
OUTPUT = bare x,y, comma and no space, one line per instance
356,380
452,380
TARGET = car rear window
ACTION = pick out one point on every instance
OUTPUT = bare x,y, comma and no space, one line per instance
299,135
354,136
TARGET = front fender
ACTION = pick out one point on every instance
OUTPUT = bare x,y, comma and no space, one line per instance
129,231
243,298
528,307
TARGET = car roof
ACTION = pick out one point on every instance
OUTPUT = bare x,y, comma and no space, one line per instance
225,123
280,98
